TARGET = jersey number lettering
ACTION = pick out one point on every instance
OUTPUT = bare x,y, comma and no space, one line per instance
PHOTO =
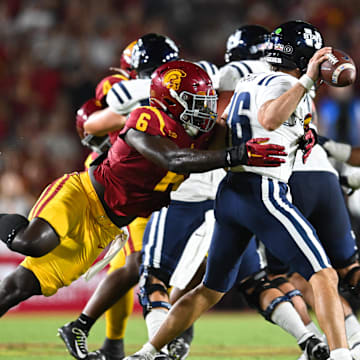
170,179
142,123
238,121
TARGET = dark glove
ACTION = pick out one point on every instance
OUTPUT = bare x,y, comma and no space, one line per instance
307,142
255,153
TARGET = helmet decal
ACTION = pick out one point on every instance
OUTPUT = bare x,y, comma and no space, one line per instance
172,78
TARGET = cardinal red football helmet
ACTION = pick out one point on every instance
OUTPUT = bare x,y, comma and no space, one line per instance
125,61
184,90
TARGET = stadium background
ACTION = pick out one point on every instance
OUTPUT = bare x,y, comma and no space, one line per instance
53,53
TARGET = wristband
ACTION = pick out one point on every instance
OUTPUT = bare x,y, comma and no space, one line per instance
307,82
338,151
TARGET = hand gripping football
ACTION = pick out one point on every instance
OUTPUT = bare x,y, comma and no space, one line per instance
339,70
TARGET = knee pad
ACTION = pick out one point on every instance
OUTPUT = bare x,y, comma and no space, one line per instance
345,283
271,307
253,287
146,289
293,293
281,280
10,225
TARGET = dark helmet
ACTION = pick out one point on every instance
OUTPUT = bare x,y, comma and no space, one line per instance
292,45
151,51
247,42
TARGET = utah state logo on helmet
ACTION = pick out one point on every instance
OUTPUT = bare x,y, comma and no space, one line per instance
185,92
246,43
293,44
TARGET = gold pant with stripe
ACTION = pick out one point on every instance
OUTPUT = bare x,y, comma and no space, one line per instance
117,316
71,206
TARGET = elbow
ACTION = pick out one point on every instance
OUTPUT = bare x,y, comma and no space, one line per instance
268,123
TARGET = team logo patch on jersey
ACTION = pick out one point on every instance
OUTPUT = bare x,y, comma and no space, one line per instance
172,78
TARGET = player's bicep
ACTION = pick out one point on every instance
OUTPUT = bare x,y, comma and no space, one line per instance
155,148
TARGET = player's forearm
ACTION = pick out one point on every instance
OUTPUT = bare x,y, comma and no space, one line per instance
185,161
275,112
104,121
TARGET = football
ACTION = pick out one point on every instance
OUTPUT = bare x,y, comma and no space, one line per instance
338,70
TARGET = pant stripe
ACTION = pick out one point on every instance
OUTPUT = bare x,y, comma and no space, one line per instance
290,220
160,238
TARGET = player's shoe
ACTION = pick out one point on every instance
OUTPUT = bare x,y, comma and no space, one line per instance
101,354
354,345
178,349
315,349
148,356
75,340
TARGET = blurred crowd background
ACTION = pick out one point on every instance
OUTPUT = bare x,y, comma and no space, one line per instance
53,53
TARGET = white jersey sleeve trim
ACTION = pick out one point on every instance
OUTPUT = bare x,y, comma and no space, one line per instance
124,96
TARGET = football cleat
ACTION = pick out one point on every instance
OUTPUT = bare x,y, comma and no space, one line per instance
354,344
315,349
75,340
178,349
146,356
97,355
101,354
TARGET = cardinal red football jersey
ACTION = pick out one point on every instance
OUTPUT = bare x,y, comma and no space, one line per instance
133,184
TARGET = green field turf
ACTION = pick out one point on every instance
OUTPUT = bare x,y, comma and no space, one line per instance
217,336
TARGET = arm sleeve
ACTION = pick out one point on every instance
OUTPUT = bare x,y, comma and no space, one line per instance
125,96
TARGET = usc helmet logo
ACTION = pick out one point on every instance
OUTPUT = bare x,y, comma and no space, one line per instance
172,78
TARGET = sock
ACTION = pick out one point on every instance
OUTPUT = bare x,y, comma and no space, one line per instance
188,334
148,348
352,326
311,326
154,319
114,347
288,319
340,354
84,322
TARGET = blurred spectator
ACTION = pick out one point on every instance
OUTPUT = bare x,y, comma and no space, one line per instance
339,114
53,52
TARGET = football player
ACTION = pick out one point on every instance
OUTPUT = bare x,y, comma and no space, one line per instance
80,213
154,49
146,56
254,200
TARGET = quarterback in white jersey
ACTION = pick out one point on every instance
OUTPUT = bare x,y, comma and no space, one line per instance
255,202
242,114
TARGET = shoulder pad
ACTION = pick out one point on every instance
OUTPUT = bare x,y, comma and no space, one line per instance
148,119
106,84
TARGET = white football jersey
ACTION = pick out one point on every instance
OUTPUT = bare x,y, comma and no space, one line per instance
199,187
212,70
231,73
250,93
125,96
